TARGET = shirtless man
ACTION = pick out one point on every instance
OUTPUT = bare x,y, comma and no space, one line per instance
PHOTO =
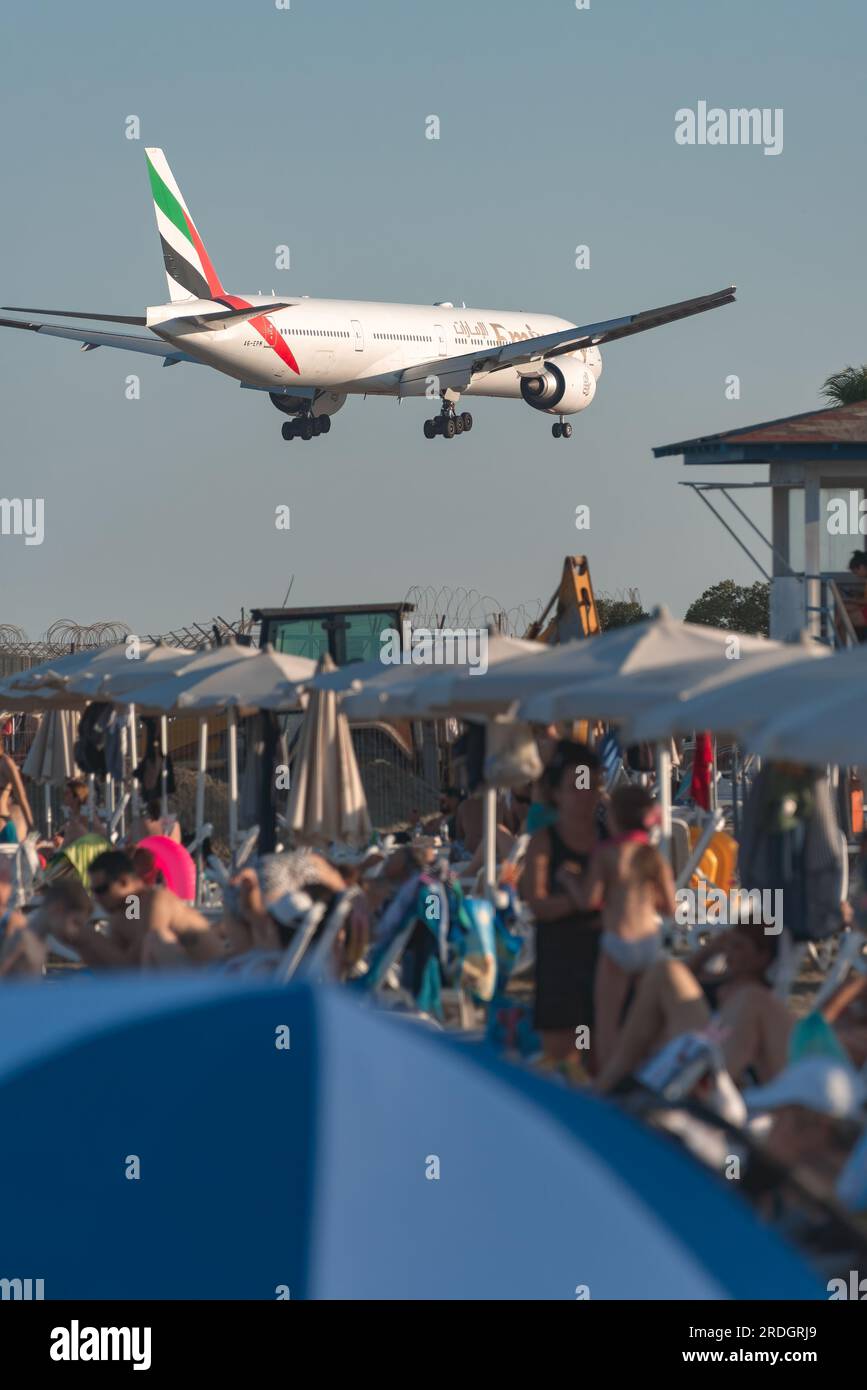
148,925
75,801
754,1025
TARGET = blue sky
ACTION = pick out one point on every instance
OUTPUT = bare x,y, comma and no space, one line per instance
306,127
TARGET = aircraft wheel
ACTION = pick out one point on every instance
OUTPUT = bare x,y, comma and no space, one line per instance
430,429
468,420
448,428
305,428
324,423
556,430
288,430
459,424
567,431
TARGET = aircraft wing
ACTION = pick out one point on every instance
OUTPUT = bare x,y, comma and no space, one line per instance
77,314
90,339
459,371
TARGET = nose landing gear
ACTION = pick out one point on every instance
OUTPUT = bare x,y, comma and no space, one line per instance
562,430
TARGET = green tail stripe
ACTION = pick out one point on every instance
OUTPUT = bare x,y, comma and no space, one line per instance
167,202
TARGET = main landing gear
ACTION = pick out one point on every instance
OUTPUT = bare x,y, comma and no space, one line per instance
563,430
306,427
448,423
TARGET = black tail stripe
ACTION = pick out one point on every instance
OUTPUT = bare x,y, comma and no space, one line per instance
185,274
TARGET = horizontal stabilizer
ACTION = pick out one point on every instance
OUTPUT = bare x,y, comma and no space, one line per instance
89,340
224,316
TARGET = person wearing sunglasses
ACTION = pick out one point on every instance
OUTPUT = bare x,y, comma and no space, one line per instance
148,925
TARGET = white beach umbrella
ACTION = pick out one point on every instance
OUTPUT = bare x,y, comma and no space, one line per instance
233,678
408,691
245,679
737,698
51,759
326,800
629,667
89,673
821,722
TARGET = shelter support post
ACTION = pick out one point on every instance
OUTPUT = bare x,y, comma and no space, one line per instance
812,552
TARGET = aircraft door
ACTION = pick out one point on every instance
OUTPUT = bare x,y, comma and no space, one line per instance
359,335
441,339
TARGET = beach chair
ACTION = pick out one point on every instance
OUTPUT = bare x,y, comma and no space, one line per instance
304,934
24,867
315,964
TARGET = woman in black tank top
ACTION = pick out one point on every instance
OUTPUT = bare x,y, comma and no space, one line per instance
567,940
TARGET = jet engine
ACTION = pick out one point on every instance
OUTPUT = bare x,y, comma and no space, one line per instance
323,403
562,387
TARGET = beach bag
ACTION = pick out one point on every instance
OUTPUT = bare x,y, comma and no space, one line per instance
791,841
479,950
512,757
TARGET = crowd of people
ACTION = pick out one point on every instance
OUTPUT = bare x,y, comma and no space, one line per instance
614,1006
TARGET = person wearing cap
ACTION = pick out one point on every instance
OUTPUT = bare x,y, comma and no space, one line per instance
816,1111
265,902
147,924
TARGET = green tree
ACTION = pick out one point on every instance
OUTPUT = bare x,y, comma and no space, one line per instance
619,610
736,607
846,387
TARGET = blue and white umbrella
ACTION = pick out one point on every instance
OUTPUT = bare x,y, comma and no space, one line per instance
194,1137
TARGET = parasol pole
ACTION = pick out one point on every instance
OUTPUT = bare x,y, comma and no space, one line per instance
489,840
200,804
164,769
663,793
133,758
232,718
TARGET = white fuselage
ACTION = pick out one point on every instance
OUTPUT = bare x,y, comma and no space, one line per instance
333,343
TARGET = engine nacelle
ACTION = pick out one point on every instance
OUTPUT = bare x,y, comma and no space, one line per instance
562,388
323,403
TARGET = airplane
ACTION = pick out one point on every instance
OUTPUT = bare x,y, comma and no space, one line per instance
309,354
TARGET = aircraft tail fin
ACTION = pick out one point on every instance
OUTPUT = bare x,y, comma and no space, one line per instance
189,271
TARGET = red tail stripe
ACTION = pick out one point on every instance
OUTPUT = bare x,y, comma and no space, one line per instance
264,326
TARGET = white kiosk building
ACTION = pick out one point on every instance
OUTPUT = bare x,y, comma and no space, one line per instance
817,474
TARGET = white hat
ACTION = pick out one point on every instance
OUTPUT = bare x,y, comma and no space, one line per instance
289,908
822,1084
